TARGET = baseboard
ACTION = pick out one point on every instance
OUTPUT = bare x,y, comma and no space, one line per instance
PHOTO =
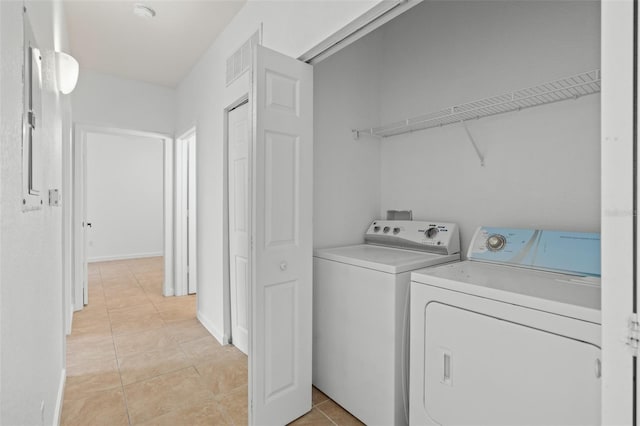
167,290
60,399
124,257
212,329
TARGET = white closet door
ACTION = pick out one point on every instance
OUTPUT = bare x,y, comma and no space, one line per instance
281,263
238,124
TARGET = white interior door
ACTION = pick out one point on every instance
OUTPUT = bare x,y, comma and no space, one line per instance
238,181
191,215
281,254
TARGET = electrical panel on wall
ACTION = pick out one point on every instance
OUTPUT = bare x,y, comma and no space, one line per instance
31,120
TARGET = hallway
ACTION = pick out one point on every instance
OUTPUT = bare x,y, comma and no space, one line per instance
136,357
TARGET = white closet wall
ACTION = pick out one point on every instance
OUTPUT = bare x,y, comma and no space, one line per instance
124,196
346,172
542,165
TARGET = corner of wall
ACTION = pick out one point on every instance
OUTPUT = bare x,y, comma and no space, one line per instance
212,329
57,414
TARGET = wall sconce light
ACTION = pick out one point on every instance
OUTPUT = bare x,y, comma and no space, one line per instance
67,70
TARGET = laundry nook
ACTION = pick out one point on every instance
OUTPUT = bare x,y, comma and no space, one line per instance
321,212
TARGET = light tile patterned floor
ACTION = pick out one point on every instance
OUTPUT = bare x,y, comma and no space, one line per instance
138,358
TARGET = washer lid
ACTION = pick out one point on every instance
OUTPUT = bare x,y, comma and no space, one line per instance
384,259
562,294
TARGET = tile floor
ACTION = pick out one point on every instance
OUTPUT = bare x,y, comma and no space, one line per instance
137,358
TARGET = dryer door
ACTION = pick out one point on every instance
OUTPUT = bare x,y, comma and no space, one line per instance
483,370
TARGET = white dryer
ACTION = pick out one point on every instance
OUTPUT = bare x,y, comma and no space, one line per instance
510,336
360,315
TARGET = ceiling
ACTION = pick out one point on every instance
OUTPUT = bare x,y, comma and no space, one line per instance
106,36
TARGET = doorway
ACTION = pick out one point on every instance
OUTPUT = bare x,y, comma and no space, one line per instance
122,196
238,223
186,222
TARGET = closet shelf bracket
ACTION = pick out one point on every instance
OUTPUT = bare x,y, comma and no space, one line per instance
473,142
368,132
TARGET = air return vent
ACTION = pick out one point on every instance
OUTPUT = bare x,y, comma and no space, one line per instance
240,61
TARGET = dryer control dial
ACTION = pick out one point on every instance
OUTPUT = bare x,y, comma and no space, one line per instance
496,242
431,232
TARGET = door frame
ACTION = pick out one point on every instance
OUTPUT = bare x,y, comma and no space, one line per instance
79,143
185,214
378,15
80,278
226,288
619,200
68,254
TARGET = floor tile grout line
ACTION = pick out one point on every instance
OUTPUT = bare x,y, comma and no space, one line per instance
177,344
159,375
115,349
325,414
124,392
145,293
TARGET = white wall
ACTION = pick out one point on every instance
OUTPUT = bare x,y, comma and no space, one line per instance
31,293
124,196
346,172
109,101
542,165
291,27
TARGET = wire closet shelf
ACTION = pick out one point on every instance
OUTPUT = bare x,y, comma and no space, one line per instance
572,87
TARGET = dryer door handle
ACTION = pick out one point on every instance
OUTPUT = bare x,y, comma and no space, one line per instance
445,379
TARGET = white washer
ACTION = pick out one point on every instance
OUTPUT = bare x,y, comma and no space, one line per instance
510,336
360,315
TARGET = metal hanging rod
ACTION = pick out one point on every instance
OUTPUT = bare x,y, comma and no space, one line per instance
572,87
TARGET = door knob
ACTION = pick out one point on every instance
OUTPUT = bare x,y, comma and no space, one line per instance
283,266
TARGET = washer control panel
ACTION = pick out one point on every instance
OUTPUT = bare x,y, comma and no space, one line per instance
570,252
435,237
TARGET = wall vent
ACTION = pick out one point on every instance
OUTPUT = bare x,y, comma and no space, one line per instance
240,61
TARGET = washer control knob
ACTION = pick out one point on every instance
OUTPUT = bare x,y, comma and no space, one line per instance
431,232
396,231
386,229
376,229
496,242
